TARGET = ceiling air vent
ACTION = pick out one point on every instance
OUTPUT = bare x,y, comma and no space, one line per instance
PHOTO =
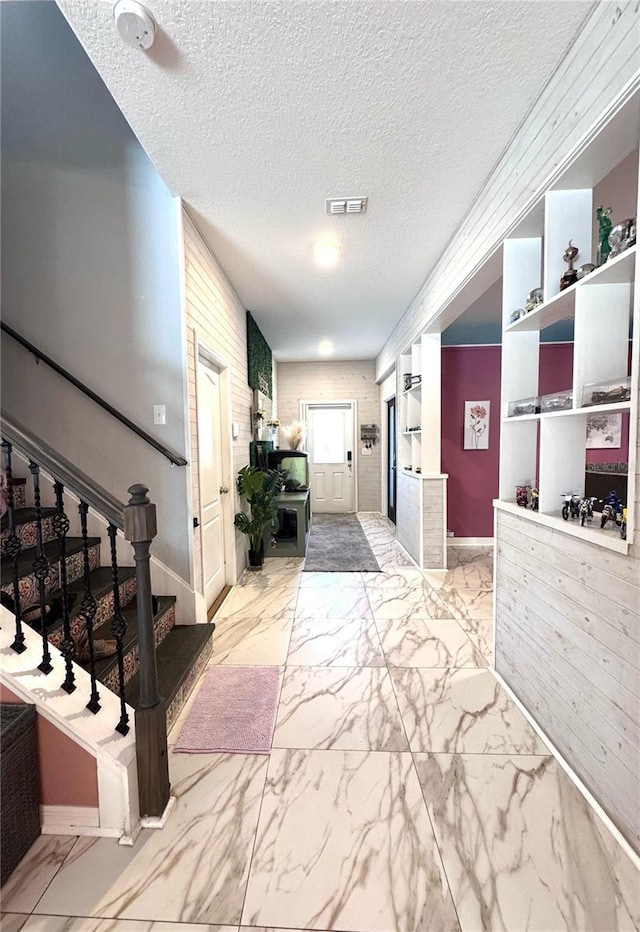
346,205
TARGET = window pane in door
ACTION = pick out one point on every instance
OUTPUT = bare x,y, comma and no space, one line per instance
327,437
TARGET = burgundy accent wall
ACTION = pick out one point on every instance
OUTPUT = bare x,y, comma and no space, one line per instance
68,773
472,373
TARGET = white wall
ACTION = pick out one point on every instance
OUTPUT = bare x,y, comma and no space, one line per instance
90,269
338,381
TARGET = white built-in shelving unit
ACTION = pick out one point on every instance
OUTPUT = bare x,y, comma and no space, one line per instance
548,450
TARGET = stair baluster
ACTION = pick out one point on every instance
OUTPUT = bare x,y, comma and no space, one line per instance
118,629
12,548
41,569
67,647
88,608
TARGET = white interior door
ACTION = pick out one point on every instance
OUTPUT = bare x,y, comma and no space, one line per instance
210,460
331,452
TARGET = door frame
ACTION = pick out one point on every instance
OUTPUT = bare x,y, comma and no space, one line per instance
388,390
334,403
386,463
204,349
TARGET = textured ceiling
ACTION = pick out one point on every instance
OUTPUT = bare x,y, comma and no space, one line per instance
255,112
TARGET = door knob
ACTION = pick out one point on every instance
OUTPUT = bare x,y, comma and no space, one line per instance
223,490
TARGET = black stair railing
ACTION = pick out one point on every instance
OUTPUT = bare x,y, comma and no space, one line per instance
68,647
88,608
78,643
12,547
41,570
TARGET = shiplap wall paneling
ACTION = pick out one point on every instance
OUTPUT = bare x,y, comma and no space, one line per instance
568,644
558,128
409,515
218,316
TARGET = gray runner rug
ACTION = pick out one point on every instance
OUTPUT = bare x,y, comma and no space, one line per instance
337,544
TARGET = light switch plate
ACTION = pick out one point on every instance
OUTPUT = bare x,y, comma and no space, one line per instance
235,430
159,414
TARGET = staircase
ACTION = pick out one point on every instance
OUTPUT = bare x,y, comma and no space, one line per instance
182,651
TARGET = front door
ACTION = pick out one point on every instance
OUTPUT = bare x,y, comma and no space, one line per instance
210,460
331,450
391,460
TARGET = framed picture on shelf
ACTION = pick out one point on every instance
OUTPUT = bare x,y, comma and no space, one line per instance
604,431
476,425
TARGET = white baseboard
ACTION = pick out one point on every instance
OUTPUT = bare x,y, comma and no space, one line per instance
589,797
69,820
470,541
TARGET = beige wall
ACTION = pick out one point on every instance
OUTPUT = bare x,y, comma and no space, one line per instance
337,381
217,314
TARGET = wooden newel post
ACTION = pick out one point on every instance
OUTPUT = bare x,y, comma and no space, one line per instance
140,528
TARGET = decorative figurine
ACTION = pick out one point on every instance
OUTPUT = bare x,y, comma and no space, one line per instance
604,228
586,510
535,500
623,523
612,509
585,270
522,495
534,299
570,505
517,314
570,277
621,237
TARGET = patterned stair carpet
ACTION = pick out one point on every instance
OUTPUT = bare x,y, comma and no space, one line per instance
337,544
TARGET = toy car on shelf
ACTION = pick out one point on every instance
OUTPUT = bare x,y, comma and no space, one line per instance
524,406
557,401
607,393
612,510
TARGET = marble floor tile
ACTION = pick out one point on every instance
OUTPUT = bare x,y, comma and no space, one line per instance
475,575
397,577
480,633
35,872
406,603
425,642
344,842
353,709
279,602
265,582
521,848
249,640
333,603
462,556
468,603
391,555
12,922
351,642
465,711
194,870
65,924
331,581
262,929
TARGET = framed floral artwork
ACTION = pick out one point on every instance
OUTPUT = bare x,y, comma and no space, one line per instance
604,431
476,425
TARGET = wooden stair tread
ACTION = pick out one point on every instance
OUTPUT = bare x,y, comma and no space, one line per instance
175,658
130,615
52,553
25,515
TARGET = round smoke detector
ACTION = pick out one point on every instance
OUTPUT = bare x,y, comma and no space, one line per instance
135,24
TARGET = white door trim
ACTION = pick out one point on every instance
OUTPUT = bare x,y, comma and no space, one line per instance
203,349
335,403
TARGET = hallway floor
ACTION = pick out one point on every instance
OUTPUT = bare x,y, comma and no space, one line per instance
405,790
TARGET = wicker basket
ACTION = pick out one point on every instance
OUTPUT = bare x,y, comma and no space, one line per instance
19,784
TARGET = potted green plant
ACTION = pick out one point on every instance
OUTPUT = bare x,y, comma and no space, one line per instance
260,489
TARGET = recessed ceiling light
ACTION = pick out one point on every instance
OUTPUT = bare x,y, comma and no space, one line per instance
325,347
326,253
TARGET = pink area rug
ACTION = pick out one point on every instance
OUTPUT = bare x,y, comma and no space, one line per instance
234,712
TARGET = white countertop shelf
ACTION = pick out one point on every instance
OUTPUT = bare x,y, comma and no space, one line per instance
608,537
